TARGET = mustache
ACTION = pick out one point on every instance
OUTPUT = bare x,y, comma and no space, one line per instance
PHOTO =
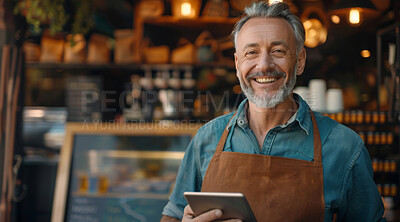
274,73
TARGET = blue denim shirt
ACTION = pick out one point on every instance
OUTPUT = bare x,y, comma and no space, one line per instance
349,188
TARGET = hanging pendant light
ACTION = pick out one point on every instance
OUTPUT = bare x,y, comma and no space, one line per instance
354,10
354,16
315,23
316,33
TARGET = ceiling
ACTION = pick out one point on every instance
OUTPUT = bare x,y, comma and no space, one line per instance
383,14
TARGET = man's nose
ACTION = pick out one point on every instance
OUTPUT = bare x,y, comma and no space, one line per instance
265,62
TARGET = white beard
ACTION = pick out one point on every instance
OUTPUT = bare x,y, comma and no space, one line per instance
268,100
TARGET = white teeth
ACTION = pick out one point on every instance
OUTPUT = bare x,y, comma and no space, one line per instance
265,80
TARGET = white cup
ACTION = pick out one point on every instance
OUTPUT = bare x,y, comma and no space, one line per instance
317,92
334,100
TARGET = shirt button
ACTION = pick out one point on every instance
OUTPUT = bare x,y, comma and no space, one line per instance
241,122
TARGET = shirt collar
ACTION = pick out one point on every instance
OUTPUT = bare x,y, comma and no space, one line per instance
302,115
240,116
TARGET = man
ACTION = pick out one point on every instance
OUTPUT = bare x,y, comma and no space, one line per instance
292,164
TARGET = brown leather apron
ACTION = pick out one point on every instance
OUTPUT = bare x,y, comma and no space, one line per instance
277,188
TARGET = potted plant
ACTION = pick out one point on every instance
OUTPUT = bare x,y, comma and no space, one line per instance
41,12
54,14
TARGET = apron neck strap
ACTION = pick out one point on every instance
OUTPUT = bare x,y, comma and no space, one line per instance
317,139
222,140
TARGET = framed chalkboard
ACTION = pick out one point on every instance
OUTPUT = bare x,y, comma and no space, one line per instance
118,172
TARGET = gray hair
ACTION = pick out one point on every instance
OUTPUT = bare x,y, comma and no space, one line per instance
264,10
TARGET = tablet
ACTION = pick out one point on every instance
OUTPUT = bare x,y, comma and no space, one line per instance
233,205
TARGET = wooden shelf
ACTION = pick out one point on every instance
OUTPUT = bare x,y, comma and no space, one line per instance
41,65
133,66
219,27
196,22
123,195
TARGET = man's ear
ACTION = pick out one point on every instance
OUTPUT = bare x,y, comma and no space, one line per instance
301,61
236,63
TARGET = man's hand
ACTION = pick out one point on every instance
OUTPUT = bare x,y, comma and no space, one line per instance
188,216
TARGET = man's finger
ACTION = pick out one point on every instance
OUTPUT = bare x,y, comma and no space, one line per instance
187,213
188,210
210,215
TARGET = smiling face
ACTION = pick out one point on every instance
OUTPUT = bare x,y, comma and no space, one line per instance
266,61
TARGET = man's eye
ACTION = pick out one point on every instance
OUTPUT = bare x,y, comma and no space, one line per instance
278,52
251,52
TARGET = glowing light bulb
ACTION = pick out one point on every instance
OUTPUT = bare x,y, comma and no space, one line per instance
354,16
335,19
313,33
186,9
365,53
316,33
